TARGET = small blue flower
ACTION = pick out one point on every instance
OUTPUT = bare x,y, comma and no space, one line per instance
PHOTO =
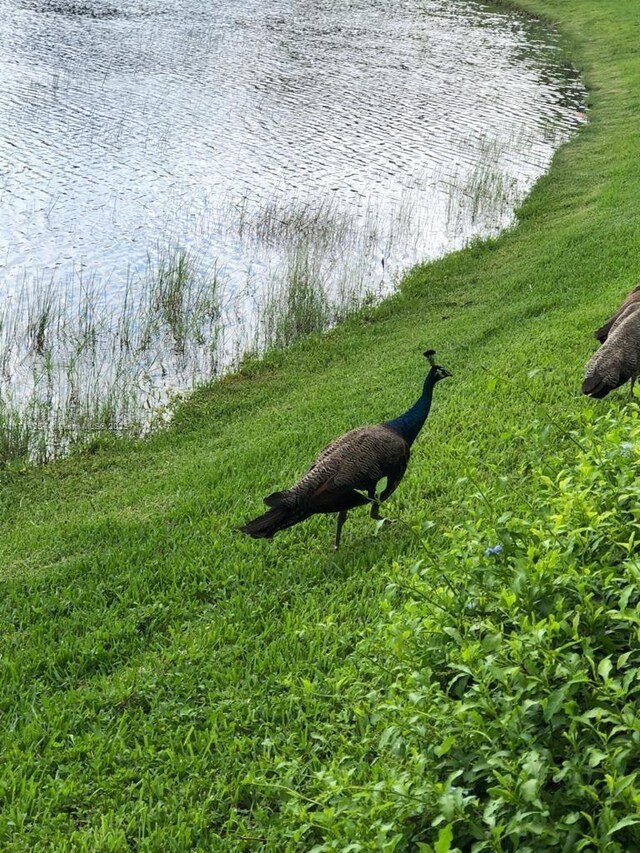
495,550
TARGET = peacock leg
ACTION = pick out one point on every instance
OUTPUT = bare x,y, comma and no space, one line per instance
375,506
375,509
342,517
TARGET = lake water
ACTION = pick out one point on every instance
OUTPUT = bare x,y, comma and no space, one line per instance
364,135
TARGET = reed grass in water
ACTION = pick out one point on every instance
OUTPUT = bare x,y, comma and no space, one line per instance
73,364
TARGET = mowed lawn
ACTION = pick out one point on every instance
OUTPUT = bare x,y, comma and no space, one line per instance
154,662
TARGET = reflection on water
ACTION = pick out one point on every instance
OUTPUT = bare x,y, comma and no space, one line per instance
406,126
125,122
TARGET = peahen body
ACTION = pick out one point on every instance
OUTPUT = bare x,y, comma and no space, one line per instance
618,359
347,471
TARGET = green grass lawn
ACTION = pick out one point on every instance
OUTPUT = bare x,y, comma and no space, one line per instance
163,679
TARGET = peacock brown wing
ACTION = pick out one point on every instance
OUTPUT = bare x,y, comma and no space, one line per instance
618,359
350,465
376,452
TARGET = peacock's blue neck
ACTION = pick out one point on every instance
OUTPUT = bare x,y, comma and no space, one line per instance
410,424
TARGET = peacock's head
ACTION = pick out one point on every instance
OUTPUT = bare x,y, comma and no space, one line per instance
437,372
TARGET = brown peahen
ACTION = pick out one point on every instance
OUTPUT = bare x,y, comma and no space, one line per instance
347,471
618,359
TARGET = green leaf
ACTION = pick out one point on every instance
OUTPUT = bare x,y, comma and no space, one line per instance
445,837
625,821
626,595
553,703
445,746
596,756
622,659
604,668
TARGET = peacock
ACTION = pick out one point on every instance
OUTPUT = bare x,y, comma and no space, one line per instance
347,472
633,298
618,359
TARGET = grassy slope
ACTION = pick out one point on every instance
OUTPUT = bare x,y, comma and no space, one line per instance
151,656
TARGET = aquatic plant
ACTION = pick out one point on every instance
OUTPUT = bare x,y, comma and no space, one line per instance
72,364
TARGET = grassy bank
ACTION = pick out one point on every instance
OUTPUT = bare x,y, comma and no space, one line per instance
165,683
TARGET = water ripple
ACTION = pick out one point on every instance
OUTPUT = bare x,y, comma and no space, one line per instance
110,113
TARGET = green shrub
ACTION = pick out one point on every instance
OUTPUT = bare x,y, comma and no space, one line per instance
512,722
